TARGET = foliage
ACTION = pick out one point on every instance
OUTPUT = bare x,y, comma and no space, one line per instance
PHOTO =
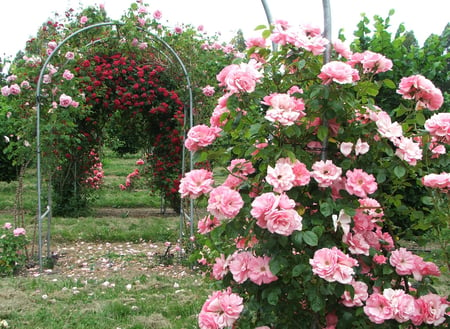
13,244
305,171
409,58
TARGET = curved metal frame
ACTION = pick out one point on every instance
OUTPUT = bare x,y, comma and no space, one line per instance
41,215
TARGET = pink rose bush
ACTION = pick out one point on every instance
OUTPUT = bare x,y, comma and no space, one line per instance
304,172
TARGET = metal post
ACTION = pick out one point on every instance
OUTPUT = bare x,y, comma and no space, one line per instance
326,59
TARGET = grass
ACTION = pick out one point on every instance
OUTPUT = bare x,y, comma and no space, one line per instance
146,301
157,296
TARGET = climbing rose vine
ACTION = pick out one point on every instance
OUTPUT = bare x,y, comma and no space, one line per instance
301,160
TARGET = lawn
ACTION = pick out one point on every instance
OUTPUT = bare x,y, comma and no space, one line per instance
118,268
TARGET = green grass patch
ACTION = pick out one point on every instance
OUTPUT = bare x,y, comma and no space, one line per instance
146,301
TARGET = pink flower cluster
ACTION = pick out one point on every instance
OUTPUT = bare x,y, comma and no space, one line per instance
19,231
95,173
406,263
338,72
326,173
217,117
422,90
196,183
207,224
360,148
240,78
239,170
244,266
366,232
221,310
370,62
400,306
284,109
201,136
224,202
276,213
439,127
66,101
14,89
129,180
208,91
360,183
306,37
287,174
440,181
333,265
407,149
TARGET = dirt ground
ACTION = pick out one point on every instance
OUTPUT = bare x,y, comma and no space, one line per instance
90,260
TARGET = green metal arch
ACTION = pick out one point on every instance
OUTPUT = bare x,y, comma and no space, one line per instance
189,123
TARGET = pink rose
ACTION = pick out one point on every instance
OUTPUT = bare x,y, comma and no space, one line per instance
220,267
422,90
440,181
359,296
65,100
220,310
284,109
224,202
240,78
342,49
208,91
371,62
338,72
281,177
201,136
14,89
408,150
196,183
70,55
7,226
83,20
378,308
239,266
439,127
68,75
259,270
403,261
333,265
433,309
207,224
157,14
283,222
325,173
6,91
19,231
360,183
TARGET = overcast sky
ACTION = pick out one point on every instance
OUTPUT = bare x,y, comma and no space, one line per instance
20,19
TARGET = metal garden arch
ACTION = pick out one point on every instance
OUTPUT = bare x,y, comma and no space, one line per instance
187,114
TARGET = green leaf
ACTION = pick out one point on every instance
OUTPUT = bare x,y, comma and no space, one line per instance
420,118
322,133
266,34
273,296
389,83
326,209
427,200
399,171
311,238
297,238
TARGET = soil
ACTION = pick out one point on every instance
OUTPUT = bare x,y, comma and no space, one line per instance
91,260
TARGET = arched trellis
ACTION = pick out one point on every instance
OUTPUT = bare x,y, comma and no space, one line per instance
188,122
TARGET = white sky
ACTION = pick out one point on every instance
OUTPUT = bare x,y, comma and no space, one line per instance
20,19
